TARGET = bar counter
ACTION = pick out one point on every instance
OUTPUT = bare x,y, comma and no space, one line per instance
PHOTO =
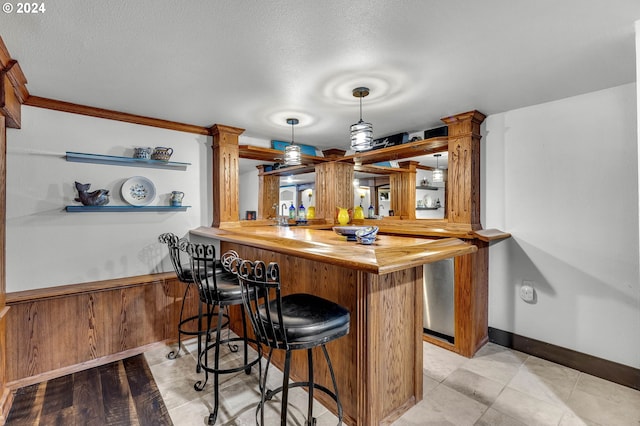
388,253
379,363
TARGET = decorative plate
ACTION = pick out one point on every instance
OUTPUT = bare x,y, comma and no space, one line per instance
348,231
138,191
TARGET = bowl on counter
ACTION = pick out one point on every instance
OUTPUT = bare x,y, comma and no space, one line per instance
366,240
367,235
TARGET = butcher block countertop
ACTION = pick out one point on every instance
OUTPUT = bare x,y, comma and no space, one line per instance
388,253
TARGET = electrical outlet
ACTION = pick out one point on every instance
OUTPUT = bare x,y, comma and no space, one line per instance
527,292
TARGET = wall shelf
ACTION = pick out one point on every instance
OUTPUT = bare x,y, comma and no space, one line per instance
80,157
430,188
427,208
85,209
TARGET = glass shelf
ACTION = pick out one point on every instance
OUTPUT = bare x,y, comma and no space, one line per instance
430,188
80,157
427,208
84,209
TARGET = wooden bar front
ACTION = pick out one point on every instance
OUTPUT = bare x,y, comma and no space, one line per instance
379,363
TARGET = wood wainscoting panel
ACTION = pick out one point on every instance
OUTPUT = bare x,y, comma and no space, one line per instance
6,396
58,331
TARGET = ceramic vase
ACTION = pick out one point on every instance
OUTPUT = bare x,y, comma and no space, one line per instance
358,213
342,215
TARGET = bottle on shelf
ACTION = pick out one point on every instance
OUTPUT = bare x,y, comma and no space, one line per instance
371,211
292,211
438,205
301,212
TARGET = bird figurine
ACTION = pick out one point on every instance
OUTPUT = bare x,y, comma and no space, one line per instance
98,197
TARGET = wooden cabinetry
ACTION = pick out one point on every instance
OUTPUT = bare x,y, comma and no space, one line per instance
462,209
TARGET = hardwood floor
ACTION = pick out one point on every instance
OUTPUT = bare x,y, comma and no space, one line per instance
120,393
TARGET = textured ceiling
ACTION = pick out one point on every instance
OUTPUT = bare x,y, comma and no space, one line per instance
251,64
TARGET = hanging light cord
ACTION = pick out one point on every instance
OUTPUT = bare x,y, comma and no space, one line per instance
292,131
293,122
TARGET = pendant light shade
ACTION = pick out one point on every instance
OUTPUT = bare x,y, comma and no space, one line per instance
292,151
361,132
438,174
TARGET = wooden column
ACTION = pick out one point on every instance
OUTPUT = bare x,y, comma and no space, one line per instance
471,278
334,188
6,397
269,195
463,202
13,92
225,175
403,190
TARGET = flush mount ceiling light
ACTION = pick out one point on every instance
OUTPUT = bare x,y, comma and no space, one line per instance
438,174
361,132
292,151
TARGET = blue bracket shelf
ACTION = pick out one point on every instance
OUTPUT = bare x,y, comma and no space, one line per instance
80,157
84,209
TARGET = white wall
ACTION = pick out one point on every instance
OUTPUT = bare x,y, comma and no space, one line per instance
47,246
562,177
638,125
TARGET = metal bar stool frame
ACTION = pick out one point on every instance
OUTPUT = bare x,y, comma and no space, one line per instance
185,276
265,305
219,291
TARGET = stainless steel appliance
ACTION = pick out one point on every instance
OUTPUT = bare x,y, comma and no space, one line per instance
438,313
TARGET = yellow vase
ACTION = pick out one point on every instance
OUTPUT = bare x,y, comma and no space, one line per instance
358,213
342,215
311,212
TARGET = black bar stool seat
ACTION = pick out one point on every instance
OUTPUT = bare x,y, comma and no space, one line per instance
309,319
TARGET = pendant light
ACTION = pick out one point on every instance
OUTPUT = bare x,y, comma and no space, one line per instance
361,132
292,151
438,174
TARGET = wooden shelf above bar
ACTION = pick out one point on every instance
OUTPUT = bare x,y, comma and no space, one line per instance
399,152
273,155
392,153
378,169
291,170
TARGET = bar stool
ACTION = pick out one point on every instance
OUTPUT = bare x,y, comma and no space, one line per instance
219,291
185,276
291,322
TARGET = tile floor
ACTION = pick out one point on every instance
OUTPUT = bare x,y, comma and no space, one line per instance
497,387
